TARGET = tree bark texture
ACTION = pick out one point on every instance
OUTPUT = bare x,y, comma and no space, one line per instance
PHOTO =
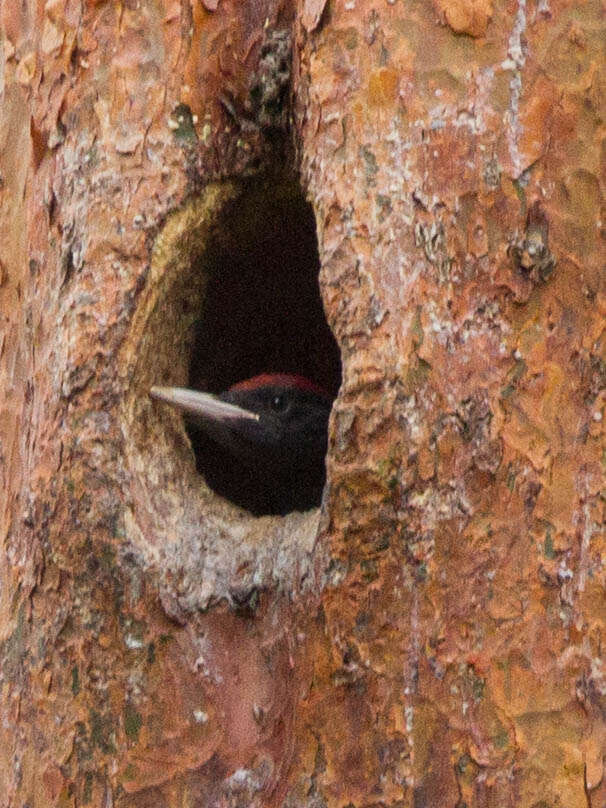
432,637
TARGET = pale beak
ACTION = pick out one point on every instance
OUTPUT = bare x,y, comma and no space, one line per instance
202,407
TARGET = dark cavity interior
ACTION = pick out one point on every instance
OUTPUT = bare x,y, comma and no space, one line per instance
262,313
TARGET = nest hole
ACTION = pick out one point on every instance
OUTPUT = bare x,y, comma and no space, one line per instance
261,313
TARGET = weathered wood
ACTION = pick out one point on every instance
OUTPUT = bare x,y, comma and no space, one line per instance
432,637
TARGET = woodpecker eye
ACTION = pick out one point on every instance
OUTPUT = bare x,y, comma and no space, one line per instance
279,402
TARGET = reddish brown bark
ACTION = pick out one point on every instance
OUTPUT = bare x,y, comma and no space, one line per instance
431,637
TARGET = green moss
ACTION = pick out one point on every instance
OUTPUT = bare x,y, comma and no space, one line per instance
108,557
131,772
185,130
387,470
384,205
370,164
511,477
369,570
87,793
513,377
351,38
75,680
416,376
416,328
91,158
101,732
548,546
478,688
133,721
13,649
521,194
478,684
116,526
501,739
82,743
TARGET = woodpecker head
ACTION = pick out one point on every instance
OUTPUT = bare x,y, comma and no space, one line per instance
273,428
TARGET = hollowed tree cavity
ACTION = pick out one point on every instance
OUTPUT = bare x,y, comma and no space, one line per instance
261,313
231,291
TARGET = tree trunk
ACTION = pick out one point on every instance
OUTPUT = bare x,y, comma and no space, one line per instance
432,635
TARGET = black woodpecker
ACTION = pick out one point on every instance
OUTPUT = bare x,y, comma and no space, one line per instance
262,442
